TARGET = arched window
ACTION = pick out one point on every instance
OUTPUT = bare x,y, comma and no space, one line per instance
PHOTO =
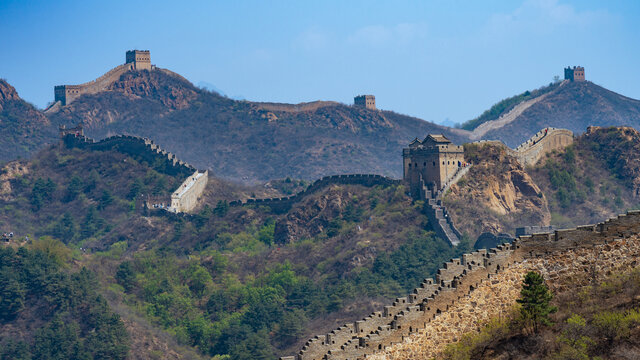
434,163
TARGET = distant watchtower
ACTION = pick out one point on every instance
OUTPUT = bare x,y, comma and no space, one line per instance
365,101
429,164
141,59
575,74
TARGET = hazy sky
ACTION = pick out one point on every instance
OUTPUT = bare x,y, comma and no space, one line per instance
430,59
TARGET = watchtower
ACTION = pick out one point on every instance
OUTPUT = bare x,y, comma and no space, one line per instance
429,164
141,59
365,101
575,74
66,93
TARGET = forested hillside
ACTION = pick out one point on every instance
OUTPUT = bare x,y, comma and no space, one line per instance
223,281
48,311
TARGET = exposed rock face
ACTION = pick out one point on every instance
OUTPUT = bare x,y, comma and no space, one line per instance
10,171
496,194
7,93
172,94
24,129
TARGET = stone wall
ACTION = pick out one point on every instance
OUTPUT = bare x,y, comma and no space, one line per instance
186,197
140,148
283,204
65,94
470,290
545,141
531,151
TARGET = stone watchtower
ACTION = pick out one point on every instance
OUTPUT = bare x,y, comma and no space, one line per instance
575,74
365,101
140,59
429,164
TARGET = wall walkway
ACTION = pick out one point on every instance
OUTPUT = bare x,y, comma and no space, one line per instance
283,204
465,290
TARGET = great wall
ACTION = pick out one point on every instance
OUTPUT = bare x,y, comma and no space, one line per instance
470,290
410,316
183,199
282,204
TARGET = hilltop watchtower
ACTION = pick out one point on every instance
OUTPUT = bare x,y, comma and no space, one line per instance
429,164
141,59
365,101
574,74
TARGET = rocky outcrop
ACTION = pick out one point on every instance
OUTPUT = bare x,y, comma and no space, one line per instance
24,129
496,195
9,172
146,84
7,93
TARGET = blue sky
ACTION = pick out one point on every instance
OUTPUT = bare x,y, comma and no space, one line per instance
436,60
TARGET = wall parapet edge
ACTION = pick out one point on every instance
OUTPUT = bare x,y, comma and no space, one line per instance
456,279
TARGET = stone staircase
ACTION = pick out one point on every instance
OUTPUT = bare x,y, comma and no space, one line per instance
437,213
442,224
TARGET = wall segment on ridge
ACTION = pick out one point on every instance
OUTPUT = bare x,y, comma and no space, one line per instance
446,308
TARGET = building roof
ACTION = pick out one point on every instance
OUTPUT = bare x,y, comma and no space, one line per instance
441,139
415,142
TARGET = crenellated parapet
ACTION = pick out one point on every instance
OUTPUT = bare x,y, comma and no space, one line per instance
535,148
457,280
140,148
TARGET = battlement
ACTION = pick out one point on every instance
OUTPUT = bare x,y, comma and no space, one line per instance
574,74
140,148
365,101
456,280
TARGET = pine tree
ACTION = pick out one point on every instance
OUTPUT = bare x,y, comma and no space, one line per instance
534,298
